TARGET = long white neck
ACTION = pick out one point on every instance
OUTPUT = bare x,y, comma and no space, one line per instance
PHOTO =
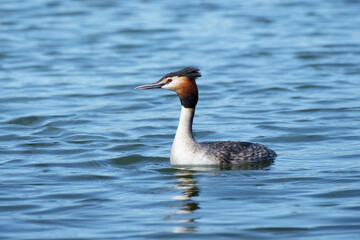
184,130
184,142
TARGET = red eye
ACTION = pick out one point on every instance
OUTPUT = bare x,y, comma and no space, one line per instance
169,80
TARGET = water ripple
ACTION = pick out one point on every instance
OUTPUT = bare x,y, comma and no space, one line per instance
85,156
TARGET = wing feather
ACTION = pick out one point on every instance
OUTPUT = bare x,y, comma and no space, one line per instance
238,152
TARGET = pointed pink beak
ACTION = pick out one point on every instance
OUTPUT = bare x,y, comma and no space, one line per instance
150,86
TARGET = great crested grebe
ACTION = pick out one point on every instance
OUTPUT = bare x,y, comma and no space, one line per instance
185,149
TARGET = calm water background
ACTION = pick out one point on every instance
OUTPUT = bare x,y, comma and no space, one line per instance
85,156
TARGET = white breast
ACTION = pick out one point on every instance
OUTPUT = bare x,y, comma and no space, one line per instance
185,150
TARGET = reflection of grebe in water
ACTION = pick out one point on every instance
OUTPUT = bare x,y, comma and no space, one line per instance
185,149
185,213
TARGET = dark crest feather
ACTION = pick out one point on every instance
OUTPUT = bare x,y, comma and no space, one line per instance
190,72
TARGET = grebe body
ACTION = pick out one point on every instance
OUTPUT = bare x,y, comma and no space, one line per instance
185,149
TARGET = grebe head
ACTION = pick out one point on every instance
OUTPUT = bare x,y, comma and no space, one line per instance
182,82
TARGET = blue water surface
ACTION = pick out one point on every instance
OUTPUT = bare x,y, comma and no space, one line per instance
85,156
